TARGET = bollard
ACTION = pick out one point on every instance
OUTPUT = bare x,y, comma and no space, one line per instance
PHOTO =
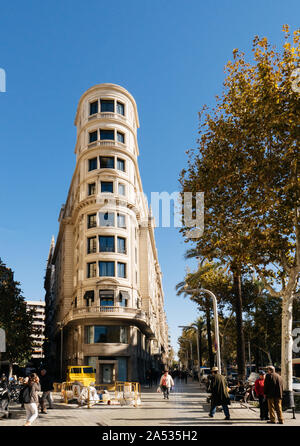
65,395
89,401
288,402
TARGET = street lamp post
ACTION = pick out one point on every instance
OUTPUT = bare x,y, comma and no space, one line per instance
216,320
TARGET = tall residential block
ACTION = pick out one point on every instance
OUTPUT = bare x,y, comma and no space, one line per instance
39,325
104,296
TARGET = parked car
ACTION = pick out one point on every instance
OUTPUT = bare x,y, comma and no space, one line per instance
296,384
204,372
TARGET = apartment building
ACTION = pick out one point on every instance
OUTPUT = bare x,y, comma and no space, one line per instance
39,324
104,295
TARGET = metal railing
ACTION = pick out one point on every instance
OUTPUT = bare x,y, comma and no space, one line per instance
107,115
130,312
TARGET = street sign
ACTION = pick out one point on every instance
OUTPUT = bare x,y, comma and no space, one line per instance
2,341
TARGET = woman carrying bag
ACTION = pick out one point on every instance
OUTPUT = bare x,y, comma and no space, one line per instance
166,382
31,398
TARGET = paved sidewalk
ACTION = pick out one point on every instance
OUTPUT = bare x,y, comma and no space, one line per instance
187,406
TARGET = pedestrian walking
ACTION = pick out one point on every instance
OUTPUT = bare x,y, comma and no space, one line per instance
149,378
219,393
31,398
259,390
186,374
273,389
46,383
3,381
22,382
166,383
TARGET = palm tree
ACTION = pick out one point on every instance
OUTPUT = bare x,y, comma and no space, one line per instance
181,289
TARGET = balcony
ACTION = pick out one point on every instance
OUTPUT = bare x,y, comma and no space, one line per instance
107,143
107,115
134,315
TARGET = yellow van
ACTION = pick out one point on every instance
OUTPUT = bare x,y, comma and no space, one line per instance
82,373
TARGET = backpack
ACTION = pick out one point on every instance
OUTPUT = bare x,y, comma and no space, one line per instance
164,381
24,397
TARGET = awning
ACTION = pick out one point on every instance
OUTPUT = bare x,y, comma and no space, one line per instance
123,295
89,295
107,293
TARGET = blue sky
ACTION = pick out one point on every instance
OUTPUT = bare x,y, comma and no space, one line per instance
169,54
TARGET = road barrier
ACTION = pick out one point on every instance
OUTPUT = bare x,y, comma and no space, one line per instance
128,393
57,387
67,391
122,392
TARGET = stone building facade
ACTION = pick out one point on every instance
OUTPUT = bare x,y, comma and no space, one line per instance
39,324
104,296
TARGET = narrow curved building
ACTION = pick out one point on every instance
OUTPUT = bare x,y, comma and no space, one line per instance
104,296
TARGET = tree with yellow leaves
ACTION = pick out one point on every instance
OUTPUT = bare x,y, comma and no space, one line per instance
247,165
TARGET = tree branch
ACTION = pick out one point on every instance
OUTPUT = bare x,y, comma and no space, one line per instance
268,287
284,262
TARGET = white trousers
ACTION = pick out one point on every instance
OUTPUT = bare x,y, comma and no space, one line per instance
31,411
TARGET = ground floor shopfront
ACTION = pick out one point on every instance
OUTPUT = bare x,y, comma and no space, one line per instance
116,351
110,369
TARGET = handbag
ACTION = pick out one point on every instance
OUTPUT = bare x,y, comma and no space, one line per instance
25,395
158,389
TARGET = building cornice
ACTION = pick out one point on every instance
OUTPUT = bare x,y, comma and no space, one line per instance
104,86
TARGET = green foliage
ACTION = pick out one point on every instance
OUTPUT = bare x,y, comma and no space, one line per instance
263,327
247,165
188,342
261,312
15,319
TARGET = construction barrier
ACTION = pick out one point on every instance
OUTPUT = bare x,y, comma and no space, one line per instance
65,392
121,392
57,387
128,393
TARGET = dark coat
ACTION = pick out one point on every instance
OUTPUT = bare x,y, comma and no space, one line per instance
273,387
218,389
46,383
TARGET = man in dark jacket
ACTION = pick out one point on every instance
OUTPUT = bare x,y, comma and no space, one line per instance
219,393
46,387
273,389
